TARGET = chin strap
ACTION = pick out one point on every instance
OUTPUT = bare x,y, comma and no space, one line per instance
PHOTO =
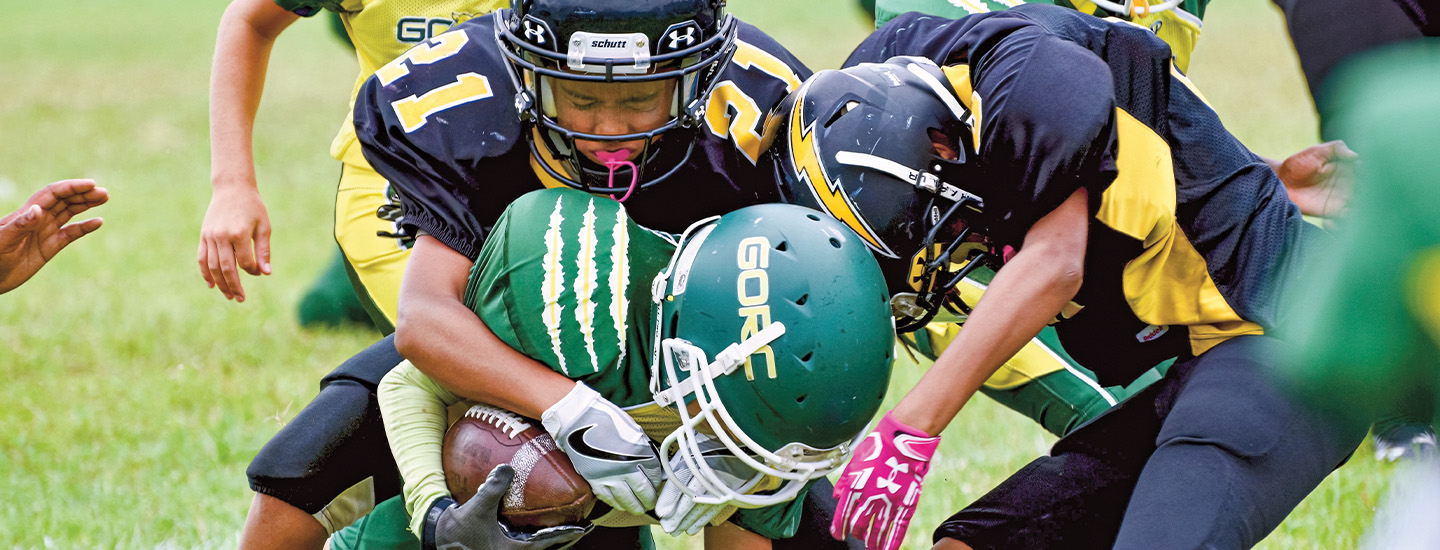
725,362
614,160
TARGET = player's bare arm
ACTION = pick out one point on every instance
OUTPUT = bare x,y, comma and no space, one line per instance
236,230
448,342
1025,295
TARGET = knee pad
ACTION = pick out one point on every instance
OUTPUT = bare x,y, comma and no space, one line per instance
369,366
337,441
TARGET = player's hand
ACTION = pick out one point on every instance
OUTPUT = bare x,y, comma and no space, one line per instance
678,511
1319,178
476,524
607,447
879,488
32,235
235,233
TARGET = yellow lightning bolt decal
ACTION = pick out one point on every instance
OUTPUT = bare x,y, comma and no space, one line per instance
804,154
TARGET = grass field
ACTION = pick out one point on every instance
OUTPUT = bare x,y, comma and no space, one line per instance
136,396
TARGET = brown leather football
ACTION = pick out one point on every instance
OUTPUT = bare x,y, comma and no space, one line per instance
546,491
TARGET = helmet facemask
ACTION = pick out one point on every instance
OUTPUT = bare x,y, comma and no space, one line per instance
892,146
688,55
712,390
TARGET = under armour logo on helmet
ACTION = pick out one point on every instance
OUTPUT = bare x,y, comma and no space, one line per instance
676,37
534,32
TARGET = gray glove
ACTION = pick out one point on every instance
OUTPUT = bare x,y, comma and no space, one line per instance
678,511
476,525
607,448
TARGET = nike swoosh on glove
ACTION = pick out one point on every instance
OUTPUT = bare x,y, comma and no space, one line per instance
476,524
678,511
607,447
879,488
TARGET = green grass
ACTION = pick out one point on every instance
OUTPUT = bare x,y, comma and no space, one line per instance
135,396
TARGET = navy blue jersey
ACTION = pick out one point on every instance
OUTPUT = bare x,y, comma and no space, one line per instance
440,124
1190,229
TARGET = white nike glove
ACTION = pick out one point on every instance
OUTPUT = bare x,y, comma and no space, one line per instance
678,511
607,447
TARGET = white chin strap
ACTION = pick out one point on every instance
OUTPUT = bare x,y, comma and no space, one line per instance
725,362
923,180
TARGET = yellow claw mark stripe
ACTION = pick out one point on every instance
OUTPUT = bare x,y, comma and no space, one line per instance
585,284
972,6
554,284
805,156
436,49
414,111
620,279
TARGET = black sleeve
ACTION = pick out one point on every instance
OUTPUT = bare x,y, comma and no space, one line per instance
428,186
1047,126
458,167
1044,100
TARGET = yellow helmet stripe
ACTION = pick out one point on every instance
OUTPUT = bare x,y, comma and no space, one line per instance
804,154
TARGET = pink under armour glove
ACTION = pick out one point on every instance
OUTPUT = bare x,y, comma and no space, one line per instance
879,488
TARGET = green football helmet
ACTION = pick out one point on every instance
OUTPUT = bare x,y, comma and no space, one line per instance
774,337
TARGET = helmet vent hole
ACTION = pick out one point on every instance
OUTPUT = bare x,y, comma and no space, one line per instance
806,358
801,399
803,298
783,246
813,217
834,242
841,112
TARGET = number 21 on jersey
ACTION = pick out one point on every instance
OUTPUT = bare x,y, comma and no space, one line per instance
414,111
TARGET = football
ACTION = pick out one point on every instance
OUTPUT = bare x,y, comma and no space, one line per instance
546,492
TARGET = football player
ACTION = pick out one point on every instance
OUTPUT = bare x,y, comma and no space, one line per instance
660,106
1369,339
1070,152
1326,34
735,348
1043,381
236,230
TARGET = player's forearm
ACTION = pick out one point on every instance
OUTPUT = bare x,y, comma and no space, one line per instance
459,352
1024,296
242,52
450,344
1013,312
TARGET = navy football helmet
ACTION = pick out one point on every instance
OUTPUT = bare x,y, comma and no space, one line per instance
861,145
687,41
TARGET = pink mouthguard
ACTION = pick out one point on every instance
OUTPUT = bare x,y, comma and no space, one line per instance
614,160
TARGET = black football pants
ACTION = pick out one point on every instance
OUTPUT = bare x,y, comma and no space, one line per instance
1210,456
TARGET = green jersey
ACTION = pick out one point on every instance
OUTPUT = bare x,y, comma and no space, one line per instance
567,283
565,278
1367,334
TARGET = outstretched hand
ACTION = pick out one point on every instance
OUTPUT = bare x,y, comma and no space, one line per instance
32,235
1319,178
